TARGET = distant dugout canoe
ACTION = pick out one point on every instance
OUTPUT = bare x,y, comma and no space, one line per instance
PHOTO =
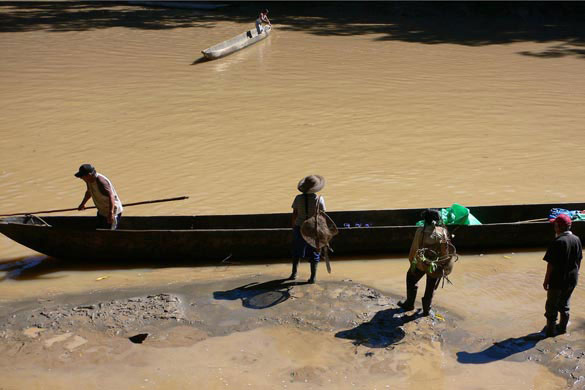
269,236
236,43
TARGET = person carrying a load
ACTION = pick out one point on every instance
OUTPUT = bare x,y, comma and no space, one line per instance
312,228
431,253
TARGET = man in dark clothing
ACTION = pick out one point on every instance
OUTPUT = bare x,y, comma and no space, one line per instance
564,259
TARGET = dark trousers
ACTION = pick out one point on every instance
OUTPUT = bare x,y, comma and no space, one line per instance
102,222
302,250
557,301
412,278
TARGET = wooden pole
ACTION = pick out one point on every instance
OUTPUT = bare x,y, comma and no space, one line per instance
93,207
533,220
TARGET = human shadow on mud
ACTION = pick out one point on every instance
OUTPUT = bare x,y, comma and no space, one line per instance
260,295
381,331
501,349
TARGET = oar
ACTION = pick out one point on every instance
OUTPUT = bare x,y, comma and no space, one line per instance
93,207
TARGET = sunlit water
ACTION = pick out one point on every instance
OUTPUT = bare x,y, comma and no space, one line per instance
388,123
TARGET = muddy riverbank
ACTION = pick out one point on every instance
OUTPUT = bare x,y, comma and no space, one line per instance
261,332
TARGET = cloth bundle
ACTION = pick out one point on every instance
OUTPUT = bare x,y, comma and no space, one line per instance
576,215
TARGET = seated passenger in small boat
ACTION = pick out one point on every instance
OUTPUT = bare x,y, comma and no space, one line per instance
262,18
104,196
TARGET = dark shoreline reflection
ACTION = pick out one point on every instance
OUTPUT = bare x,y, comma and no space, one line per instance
463,23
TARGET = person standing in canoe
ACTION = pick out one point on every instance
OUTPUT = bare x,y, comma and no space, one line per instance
563,258
262,19
429,254
104,196
304,206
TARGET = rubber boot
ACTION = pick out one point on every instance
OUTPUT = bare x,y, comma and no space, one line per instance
426,302
549,330
313,277
562,326
295,266
408,304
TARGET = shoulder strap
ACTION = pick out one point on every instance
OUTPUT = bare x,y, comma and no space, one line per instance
306,206
316,226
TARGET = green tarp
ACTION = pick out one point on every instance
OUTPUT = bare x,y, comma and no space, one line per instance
456,215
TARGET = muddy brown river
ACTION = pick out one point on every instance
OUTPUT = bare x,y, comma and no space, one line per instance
390,120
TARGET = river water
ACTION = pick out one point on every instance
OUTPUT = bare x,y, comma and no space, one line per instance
389,123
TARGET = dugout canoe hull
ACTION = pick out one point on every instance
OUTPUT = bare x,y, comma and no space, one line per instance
266,236
236,43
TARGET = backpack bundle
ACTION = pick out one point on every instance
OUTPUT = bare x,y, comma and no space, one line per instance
318,230
436,259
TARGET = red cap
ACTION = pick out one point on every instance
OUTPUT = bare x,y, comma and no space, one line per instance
563,219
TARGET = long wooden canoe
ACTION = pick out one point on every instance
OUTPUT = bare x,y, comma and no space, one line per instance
236,43
268,236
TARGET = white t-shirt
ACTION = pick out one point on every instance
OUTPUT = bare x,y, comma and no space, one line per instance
99,190
299,205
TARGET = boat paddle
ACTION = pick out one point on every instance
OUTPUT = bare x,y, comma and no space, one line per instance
93,207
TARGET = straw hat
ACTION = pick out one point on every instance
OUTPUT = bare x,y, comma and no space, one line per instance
311,184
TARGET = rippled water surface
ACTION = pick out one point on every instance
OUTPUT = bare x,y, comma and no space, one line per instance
388,123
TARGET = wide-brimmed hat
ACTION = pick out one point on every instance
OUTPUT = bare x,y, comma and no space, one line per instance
311,184
85,169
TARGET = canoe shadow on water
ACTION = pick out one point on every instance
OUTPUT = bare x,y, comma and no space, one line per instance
260,295
383,330
200,60
40,266
20,269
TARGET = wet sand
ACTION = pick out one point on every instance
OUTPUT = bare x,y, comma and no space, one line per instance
247,327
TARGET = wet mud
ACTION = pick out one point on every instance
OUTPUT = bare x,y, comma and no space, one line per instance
356,312
564,354
373,336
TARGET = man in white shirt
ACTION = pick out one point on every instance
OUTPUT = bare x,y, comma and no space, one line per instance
104,196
